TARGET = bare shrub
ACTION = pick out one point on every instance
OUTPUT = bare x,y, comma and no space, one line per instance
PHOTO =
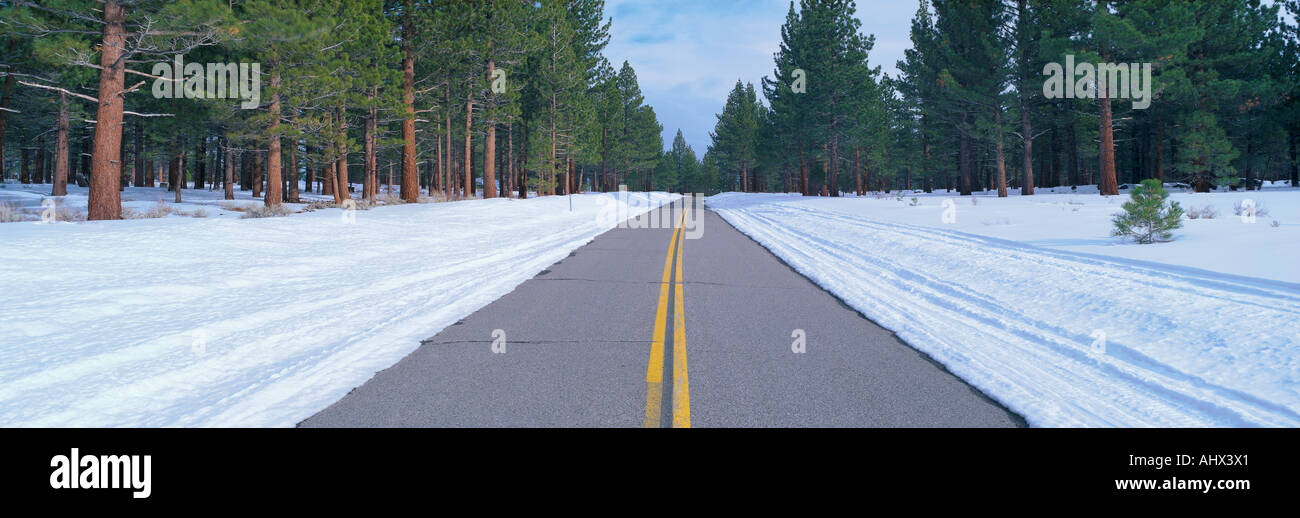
1206,212
1239,208
317,205
66,213
10,214
263,211
159,210
388,199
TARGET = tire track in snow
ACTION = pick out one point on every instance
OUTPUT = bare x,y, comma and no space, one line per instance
982,306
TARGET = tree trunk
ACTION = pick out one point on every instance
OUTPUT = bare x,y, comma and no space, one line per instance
342,182
438,181
551,165
510,157
1160,150
105,198
259,173
370,186
200,162
61,150
857,171
1027,131
835,167
230,172
1001,156
449,172
293,173
1107,184
308,173
490,148
469,120
410,178
25,175
273,159
866,174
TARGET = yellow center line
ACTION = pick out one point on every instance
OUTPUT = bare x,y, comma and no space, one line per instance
681,382
655,369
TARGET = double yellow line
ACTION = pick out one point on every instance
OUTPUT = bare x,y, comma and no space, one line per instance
655,370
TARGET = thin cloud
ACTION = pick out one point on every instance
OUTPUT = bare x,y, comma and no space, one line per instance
689,54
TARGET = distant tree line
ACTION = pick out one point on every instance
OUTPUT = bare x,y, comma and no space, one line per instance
968,110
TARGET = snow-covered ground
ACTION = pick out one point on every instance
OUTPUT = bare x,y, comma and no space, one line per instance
181,321
201,203
1020,295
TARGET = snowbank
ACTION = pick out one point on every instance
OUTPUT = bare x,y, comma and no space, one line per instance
1020,295
253,322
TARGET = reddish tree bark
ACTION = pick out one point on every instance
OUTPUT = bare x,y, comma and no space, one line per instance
490,152
1107,184
105,199
370,187
273,159
410,178
341,182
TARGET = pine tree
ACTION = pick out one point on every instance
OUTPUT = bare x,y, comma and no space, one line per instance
1147,218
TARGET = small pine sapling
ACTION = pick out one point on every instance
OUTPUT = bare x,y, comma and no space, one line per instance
1147,218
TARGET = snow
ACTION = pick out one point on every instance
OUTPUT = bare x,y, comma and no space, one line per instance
141,200
184,321
1029,299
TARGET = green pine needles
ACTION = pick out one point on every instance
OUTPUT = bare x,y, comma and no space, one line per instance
1146,217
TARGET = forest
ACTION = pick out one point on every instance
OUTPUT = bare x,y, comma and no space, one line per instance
968,109
449,98
452,99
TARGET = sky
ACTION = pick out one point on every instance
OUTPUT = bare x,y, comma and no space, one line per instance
689,53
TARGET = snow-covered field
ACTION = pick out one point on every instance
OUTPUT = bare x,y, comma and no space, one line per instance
200,203
181,321
1020,295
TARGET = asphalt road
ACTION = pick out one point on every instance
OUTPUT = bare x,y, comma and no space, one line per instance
627,333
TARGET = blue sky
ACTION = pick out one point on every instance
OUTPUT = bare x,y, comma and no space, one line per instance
688,54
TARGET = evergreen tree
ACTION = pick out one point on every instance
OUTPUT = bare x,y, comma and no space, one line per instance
1147,217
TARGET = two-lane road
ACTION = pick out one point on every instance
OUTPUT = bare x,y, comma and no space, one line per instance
647,327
